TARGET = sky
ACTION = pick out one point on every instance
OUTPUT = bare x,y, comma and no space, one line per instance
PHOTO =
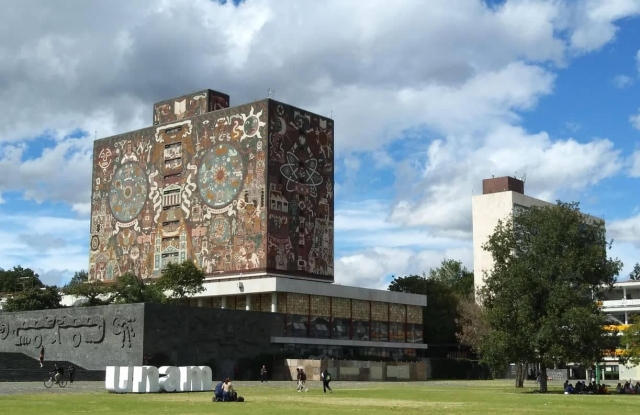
428,99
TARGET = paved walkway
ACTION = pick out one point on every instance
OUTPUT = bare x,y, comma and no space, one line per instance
21,388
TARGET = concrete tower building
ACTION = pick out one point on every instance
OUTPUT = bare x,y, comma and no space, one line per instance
247,193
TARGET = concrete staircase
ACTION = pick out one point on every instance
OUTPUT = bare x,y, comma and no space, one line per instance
18,367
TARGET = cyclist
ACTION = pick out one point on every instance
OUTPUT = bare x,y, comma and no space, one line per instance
57,373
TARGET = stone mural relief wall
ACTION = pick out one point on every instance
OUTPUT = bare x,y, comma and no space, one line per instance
91,337
300,200
191,189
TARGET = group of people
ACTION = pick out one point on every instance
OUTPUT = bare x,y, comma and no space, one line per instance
325,377
224,392
628,388
584,388
58,371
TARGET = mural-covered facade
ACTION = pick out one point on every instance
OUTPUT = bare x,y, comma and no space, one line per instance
246,190
300,176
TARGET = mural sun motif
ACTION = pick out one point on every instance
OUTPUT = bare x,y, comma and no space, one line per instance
128,192
251,124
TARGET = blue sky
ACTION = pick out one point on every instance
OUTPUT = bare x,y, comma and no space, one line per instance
427,102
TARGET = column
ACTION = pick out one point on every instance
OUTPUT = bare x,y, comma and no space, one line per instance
200,302
247,303
274,302
624,293
626,317
223,302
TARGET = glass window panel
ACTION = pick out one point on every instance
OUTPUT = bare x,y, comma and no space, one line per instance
360,330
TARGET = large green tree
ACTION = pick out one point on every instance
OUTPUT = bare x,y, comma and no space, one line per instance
92,293
129,288
439,326
18,279
634,275
539,299
34,299
181,280
455,275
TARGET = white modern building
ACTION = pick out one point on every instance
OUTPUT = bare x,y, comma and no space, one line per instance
500,198
621,304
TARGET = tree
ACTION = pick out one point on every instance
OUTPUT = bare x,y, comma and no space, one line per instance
129,288
80,277
473,326
539,299
34,299
635,274
455,275
439,326
181,280
18,279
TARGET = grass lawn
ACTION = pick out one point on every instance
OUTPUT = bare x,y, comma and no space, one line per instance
442,397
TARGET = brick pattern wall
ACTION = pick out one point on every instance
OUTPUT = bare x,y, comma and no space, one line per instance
341,307
414,314
282,303
397,313
379,311
320,306
265,302
297,304
361,310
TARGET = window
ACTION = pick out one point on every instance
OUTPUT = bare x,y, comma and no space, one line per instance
319,327
380,331
341,328
360,330
296,325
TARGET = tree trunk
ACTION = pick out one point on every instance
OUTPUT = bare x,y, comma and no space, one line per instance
543,378
521,371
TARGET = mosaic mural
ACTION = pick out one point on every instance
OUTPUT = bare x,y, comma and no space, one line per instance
237,190
189,106
300,174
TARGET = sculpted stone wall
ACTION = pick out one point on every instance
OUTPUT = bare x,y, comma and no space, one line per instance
92,337
218,338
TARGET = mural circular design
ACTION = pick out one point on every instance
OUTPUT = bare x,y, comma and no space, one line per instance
220,230
128,192
220,176
95,243
251,125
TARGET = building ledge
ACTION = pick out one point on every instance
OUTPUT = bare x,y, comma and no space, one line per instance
354,343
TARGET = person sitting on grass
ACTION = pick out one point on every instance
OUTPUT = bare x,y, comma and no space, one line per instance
619,388
228,393
217,392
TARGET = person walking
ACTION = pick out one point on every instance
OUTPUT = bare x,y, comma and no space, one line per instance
325,377
41,357
263,374
303,381
72,373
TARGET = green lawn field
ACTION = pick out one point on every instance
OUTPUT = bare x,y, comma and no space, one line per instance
441,397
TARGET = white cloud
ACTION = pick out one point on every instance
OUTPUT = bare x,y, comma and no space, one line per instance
635,120
638,60
593,21
634,161
622,81
452,171
372,267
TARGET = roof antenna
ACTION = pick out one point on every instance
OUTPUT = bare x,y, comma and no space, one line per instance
95,135
331,116
270,92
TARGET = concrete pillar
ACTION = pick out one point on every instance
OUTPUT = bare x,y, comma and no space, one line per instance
200,302
247,303
274,302
624,293
626,317
223,302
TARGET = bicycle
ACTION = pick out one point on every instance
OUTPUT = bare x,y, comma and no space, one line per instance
49,382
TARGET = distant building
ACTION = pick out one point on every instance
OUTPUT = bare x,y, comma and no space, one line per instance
500,198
